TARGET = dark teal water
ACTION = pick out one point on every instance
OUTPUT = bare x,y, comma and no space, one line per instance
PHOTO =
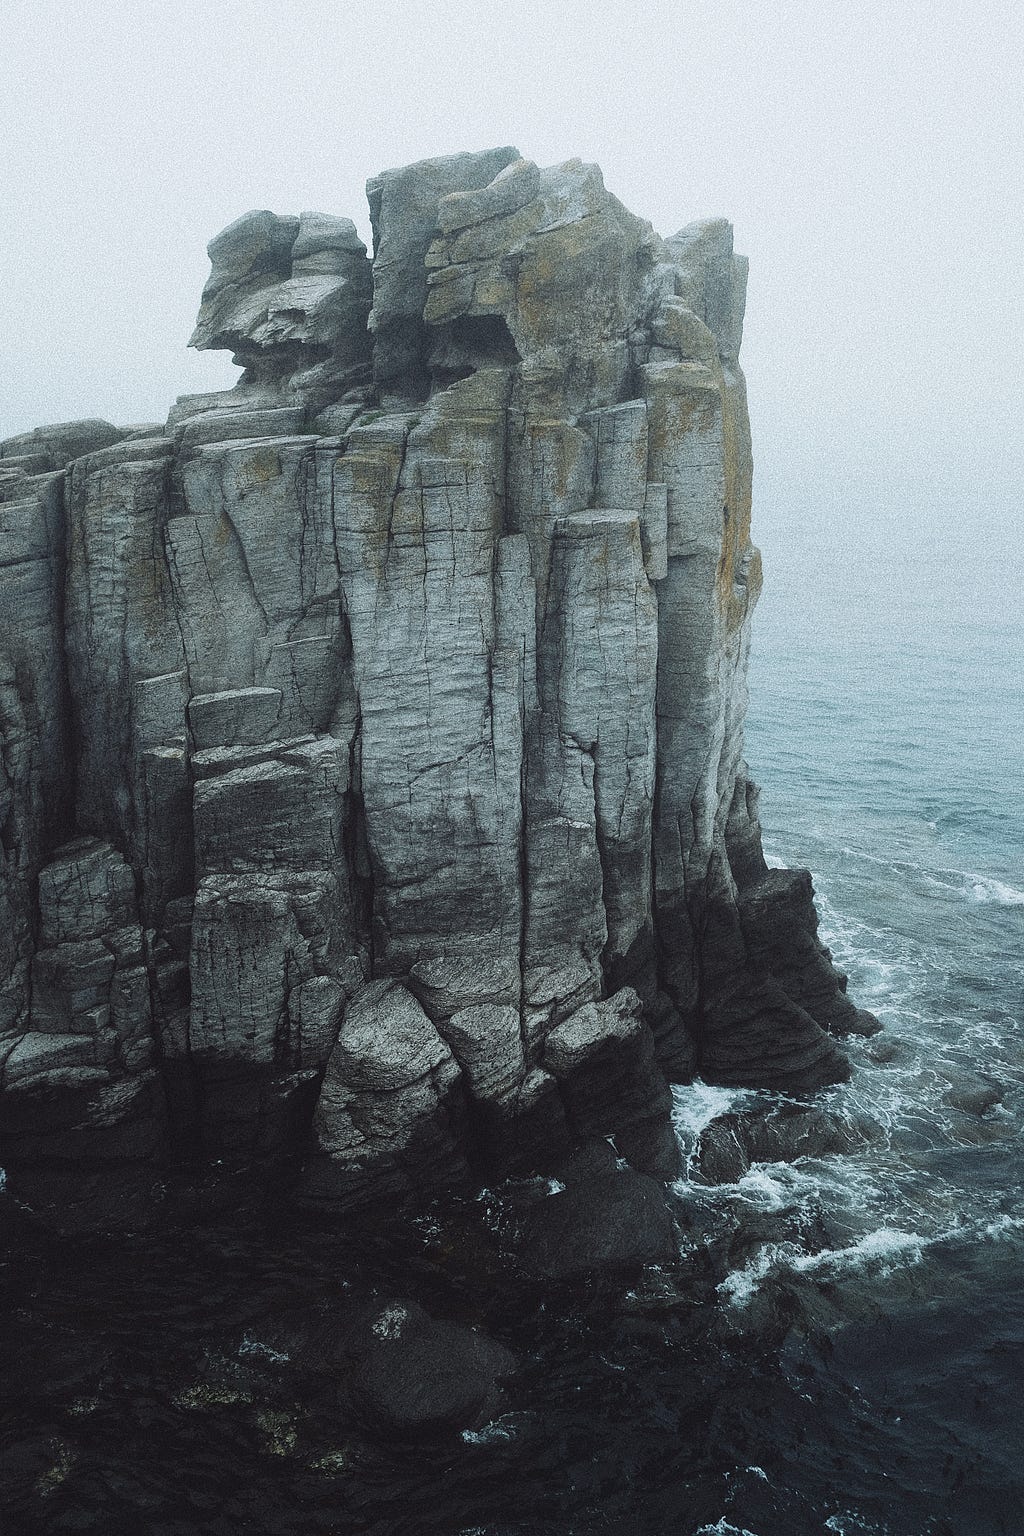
839,1350
887,723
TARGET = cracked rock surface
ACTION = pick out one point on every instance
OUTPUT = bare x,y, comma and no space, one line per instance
372,788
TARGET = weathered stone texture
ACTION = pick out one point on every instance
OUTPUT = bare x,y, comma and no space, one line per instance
372,767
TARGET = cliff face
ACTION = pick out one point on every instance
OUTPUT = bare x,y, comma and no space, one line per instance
371,776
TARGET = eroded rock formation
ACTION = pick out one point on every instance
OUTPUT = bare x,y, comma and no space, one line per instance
372,779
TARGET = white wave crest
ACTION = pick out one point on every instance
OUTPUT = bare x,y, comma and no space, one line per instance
882,1251
988,891
492,1433
723,1528
696,1104
742,1285
1004,1226
847,1523
886,1247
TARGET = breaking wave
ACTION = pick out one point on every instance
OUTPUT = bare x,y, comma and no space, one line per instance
984,889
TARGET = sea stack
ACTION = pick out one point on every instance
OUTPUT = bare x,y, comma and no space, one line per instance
372,791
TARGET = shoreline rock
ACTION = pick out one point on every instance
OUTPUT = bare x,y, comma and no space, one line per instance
372,786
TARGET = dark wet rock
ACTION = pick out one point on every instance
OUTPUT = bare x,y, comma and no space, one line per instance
780,927
729,1145
603,1222
217,1382
773,994
603,1060
410,1374
721,1155
36,1465
76,1198
973,1093
332,712
387,1117
589,1160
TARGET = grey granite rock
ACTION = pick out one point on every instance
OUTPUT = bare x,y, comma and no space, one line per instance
371,735
289,297
405,209
387,1120
53,447
487,1043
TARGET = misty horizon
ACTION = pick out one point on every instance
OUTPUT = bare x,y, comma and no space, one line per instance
869,169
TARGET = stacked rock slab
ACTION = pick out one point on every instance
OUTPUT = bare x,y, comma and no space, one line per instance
371,779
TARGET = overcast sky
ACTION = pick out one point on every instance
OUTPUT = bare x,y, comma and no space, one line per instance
869,155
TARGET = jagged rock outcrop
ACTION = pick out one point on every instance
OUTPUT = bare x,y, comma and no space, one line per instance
372,780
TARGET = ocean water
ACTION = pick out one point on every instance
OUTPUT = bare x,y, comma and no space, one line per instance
839,1350
887,705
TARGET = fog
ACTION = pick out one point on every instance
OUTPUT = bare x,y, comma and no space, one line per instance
868,154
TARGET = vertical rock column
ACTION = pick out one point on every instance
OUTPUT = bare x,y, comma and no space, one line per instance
606,615
33,714
83,1105
275,942
747,1027
126,665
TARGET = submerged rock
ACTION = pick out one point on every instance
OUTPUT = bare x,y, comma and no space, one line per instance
410,1374
371,756
606,1221
973,1093
730,1144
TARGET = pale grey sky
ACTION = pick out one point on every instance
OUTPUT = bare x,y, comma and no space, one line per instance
867,151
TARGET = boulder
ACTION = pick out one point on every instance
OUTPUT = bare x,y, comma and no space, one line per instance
387,1121
412,1375
973,1093
56,446
602,1058
607,1221
729,1145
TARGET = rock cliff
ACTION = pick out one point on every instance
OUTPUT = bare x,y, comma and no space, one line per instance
371,766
